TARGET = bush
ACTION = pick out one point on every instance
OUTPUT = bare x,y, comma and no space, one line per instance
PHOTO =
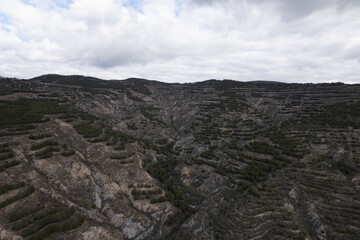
18,196
121,147
7,156
234,146
161,141
262,147
122,157
68,153
8,165
23,213
66,116
44,144
21,128
161,170
207,154
47,153
59,227
105,138
137,193
8,187
158,200
5,150
13,133
39,136
253,192
87,130
124,138
33,218
25,111
345,168
47,220
4,145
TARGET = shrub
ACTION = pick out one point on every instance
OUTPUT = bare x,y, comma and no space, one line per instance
68,153
21,128
18,196
5,150
66,116
25,111
59,227
122,157
44,144
262,147
47,153
7,156
8,165
253,192
158,200
13,133
161,141
88,130
123,137
28,221
121,147
23,213
8,187
39,136
4,145
207,154
234,146
47,220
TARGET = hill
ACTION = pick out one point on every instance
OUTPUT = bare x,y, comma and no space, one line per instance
85,158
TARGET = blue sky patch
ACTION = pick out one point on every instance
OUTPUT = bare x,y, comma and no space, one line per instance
64,3
52,4
135,4
4,19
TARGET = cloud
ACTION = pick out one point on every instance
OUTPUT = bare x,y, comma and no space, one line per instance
182,40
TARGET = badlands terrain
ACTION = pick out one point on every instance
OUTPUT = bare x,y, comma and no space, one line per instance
84,158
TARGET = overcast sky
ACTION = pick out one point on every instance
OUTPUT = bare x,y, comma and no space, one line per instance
183,40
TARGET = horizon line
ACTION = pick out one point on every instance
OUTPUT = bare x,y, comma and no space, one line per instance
200,81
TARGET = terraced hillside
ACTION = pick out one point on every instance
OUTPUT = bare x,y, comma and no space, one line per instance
84,158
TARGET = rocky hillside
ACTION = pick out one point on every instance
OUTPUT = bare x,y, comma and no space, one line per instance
84,158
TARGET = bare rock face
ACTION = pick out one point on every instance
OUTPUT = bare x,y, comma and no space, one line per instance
130,229
316,223
271,111
5,234
99,233
83,158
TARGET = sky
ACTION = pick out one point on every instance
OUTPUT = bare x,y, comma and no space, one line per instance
183,40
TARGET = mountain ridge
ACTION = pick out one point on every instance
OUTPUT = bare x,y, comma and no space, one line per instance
150,80
139,159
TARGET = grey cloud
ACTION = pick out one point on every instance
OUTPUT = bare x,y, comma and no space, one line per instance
292,10
204,2
282,40
353,53
110,58
289,10
347,3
